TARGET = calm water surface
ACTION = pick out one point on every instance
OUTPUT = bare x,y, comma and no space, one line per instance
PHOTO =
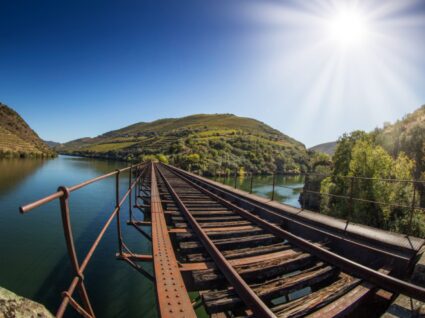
287,188
34,262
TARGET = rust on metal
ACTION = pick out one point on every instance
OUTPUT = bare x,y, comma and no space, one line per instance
244,291
233,249
77,283
382,280
171,292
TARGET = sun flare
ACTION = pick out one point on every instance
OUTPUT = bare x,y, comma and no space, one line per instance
349,28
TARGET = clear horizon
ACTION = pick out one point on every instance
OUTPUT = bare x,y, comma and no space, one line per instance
313,71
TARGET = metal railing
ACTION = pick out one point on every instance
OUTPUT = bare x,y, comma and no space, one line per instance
376,277
413,207
63,194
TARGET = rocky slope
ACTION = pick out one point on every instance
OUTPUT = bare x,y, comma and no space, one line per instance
12,305
17,139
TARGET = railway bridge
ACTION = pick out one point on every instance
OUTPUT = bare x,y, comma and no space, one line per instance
243,255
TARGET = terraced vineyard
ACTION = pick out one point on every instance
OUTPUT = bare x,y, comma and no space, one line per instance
208,144
17,138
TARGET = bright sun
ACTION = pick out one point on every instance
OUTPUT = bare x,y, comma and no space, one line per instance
349,28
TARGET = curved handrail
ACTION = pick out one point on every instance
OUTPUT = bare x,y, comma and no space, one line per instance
63,194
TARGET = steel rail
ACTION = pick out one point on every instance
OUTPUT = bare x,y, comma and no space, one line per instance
382,280
259,308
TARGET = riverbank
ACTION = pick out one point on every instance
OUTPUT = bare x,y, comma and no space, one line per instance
13,305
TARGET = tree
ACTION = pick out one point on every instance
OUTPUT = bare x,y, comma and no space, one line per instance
366,165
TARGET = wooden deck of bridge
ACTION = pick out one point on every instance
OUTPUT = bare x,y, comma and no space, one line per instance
172,293
244,255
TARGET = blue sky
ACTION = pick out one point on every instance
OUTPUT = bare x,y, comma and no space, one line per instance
81,68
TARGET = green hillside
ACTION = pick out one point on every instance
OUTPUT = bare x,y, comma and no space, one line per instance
406,134
327,148
394,152
17,139
209,144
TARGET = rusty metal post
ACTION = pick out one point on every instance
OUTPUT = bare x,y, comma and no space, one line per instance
67,230
305,189
130,209
140,183
137,185
252,178
274,181
412,211
350,204
117,206
350,210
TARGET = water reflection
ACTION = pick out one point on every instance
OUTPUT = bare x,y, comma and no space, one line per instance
287,188
15,171
36,264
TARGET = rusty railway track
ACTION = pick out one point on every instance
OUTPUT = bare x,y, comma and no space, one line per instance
240,254
243,266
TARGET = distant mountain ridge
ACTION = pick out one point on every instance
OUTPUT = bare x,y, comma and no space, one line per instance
52,144
208,143
327,148
17,139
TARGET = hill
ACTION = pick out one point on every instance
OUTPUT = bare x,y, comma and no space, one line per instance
406,135
17,139
327,148
52,144
403,134
209,144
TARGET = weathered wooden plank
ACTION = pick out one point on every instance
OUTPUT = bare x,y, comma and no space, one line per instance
307,304
342,306
256,251
206,209
232,242
210,213
242,262
347,303
222,234
177,219
217,224
241,253
218,301
256,272
181,230
225,229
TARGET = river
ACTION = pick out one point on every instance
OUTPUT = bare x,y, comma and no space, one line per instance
34,262
287,188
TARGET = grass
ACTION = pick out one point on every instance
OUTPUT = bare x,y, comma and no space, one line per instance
105,147
16,137
216,143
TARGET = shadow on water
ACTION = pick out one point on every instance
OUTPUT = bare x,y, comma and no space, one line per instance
115,289
287,188
37,264
15,171
61,275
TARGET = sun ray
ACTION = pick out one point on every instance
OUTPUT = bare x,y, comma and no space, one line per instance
336,60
